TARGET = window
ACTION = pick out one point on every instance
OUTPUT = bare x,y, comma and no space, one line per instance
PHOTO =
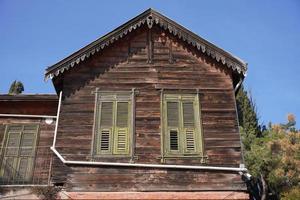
18,153
113,128
181,125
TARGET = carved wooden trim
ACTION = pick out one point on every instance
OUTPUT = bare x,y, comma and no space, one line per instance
149,46
171,59
149,18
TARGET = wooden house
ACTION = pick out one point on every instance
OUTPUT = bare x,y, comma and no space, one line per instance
27,124
145,112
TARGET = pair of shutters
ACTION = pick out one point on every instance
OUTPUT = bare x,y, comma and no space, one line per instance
18,153
182,132
114,126
182,121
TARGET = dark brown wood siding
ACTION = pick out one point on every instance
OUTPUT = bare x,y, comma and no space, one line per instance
149,61
39,104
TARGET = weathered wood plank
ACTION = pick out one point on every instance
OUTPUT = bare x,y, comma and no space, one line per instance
124,66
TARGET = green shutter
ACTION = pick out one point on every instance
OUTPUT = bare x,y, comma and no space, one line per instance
189,140
13,141
114,124
181,125
122,114
174,140
23,169
27,144
8,168
172,114
121,130
188,126
105,140
105,129
19,155
173,126
106,114
188,114
121,142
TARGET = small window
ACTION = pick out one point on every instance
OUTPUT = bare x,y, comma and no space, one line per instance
182,128
113,124
18,153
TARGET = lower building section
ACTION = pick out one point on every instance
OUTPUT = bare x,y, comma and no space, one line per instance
128,179
156,195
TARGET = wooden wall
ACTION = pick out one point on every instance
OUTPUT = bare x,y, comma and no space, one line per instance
45,104
123,66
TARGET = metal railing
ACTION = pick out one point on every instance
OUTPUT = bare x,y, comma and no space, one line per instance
26,170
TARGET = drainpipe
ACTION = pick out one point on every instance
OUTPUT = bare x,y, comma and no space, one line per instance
57,119
28,116
117,164
238,85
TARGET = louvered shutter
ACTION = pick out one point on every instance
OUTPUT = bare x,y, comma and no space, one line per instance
174,140
19,153
173,125
188,114
13,141
26,154
113,123
106,114
106,124
105,136
172,114
8,168
121,131
23,173
27,144
27,151
189,126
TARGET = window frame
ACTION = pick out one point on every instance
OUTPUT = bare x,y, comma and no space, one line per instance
115,97
182,151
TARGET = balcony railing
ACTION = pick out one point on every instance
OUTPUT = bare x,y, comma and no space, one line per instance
26,170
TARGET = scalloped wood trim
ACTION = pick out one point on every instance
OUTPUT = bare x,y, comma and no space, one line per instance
149,17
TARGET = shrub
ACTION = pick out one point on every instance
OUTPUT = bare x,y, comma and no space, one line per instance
46,193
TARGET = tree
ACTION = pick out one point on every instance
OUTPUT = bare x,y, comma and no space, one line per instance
274,160
292,194
16,87
272,155
248,118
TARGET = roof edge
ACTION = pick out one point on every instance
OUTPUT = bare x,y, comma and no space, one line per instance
149,17
29,97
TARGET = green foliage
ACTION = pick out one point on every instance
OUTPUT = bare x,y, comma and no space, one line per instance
248,118
46,193
275,157
16,87
292,194
272,155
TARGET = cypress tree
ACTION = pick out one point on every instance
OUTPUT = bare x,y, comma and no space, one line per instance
16,87
248,118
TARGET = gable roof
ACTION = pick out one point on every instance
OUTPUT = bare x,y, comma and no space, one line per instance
149,17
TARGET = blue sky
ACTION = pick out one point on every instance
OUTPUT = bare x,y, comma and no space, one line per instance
266,34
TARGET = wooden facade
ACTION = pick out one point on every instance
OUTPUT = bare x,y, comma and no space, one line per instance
148,57
22,111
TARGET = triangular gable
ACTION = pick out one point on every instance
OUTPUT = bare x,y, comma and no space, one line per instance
150,17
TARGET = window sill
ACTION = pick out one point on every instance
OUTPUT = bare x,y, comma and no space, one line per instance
202,159
109,156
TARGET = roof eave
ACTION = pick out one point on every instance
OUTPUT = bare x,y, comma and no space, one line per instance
176,29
